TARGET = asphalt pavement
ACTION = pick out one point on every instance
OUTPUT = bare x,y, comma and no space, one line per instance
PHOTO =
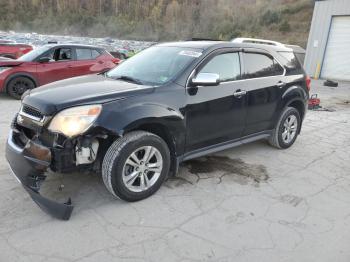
250,203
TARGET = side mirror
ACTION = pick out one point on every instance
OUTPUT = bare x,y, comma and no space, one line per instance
206,79
44,59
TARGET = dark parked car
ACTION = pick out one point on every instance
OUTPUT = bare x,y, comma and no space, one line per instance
51,63
170,103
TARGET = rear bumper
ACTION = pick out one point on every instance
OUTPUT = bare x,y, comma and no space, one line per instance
28,164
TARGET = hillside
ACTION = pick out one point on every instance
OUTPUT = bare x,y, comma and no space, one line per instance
162,20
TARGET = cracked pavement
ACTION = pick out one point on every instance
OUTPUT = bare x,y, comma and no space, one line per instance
250,203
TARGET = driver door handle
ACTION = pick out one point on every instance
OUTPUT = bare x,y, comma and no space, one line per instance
240,93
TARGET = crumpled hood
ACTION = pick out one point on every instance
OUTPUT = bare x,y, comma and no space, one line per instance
90,89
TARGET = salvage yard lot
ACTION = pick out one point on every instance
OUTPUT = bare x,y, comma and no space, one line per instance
251,203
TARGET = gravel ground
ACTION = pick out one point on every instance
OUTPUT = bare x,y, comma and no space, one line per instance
251,203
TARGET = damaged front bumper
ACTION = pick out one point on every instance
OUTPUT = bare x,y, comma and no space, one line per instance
28,163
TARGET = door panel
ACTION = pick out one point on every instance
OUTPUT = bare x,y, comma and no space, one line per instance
53,71
214,116
263,96
213,113
86,61
263,83
58,68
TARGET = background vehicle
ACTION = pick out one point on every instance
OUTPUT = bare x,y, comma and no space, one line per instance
13,50
169,103
52,63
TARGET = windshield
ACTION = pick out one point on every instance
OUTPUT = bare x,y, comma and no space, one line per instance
32,55
155,65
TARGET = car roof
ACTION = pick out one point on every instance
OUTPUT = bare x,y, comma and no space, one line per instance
204,45
72,45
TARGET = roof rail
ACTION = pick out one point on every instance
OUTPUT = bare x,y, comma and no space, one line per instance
202,39
256,41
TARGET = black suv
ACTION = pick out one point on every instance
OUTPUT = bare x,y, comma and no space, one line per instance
170,103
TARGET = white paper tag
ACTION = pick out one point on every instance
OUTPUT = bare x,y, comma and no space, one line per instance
190,53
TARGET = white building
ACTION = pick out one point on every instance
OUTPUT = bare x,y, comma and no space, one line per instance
328,48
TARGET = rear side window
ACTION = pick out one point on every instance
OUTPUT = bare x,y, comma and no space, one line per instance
292,60
86,53
94,53
227,66
260,65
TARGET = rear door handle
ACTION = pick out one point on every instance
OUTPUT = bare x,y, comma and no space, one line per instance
280,84
240,93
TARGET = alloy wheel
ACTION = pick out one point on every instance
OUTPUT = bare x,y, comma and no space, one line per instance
142,169
290,128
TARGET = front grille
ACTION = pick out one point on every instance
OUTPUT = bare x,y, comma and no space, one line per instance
32,111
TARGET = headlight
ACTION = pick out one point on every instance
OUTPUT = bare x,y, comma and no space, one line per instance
4,68
75,120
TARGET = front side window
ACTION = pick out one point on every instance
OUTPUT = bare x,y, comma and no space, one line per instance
156,65
64,54
227,66
260,65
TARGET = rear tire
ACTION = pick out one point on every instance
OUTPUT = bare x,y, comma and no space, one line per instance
126,170
287,129
18,85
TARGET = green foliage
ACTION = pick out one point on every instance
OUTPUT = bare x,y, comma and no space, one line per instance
284,27
270,17
159,20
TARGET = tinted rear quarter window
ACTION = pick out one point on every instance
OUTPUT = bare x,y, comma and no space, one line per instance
260,65
293,63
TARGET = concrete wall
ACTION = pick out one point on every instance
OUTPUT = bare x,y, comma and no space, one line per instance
319,31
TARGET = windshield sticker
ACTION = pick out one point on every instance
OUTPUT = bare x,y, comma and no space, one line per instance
190,53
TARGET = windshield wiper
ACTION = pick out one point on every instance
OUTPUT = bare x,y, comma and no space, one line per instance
129,79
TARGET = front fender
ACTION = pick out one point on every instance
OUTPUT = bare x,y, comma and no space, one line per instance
120,117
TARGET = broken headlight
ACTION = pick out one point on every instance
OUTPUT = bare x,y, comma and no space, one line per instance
76,120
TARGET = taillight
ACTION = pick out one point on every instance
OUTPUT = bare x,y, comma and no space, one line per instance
308,83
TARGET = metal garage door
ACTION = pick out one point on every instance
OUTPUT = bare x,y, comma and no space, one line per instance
336,64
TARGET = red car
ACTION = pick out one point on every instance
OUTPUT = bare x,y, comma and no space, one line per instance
51,63
13,50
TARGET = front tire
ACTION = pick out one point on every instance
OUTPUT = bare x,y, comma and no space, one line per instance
17,86
136,165
287,129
